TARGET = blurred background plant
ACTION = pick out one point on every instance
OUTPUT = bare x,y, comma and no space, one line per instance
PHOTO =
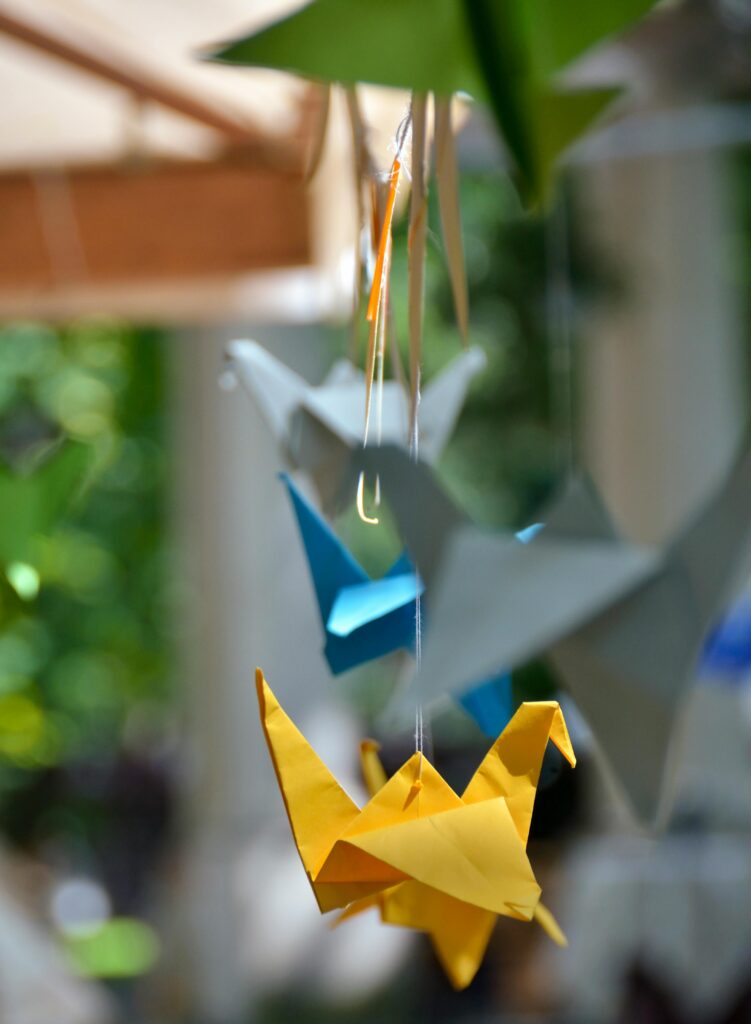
85,676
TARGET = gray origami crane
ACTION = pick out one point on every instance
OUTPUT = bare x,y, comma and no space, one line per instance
338,406
624,625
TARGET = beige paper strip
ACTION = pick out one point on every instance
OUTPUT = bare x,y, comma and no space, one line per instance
418,232
319,139
363,168
447,176
369,369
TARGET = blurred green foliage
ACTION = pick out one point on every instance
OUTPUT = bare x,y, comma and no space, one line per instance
32,499
80,661
507,451
119,948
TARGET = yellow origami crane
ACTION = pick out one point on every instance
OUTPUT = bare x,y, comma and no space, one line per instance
425,857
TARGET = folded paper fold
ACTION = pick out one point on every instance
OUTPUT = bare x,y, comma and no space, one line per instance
314,425
424,856
364,619
623,624
510,55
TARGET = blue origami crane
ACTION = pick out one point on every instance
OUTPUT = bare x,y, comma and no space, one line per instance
365,619
727,652
490,704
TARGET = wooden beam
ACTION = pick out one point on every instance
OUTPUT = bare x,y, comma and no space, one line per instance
140,82
169,222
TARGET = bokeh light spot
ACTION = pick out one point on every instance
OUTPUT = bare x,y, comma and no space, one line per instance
24,579
119,948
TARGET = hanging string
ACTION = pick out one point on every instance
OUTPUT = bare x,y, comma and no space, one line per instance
416,245
419,736
414,449
559,313
419,725
418,114
378,315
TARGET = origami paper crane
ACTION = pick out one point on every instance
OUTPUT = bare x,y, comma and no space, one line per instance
727,652
428,858
509,55
364,619
624,625
489,704
337,406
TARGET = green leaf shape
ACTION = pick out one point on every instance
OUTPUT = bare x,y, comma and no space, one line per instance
427,45
504,53
537,121
32,505
556,32
556,121
562,117
423,45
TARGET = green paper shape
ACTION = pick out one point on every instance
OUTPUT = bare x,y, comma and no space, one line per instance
423,45
556,32
558,120
504,53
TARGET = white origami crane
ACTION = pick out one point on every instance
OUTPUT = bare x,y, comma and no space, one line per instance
623,624
338,405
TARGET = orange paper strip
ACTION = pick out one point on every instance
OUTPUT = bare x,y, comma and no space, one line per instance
375,291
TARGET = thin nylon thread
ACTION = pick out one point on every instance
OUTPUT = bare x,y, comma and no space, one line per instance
414,449
558,314
419,735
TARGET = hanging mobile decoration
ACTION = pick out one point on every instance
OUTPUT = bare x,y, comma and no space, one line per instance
509,57
314,426
423,856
